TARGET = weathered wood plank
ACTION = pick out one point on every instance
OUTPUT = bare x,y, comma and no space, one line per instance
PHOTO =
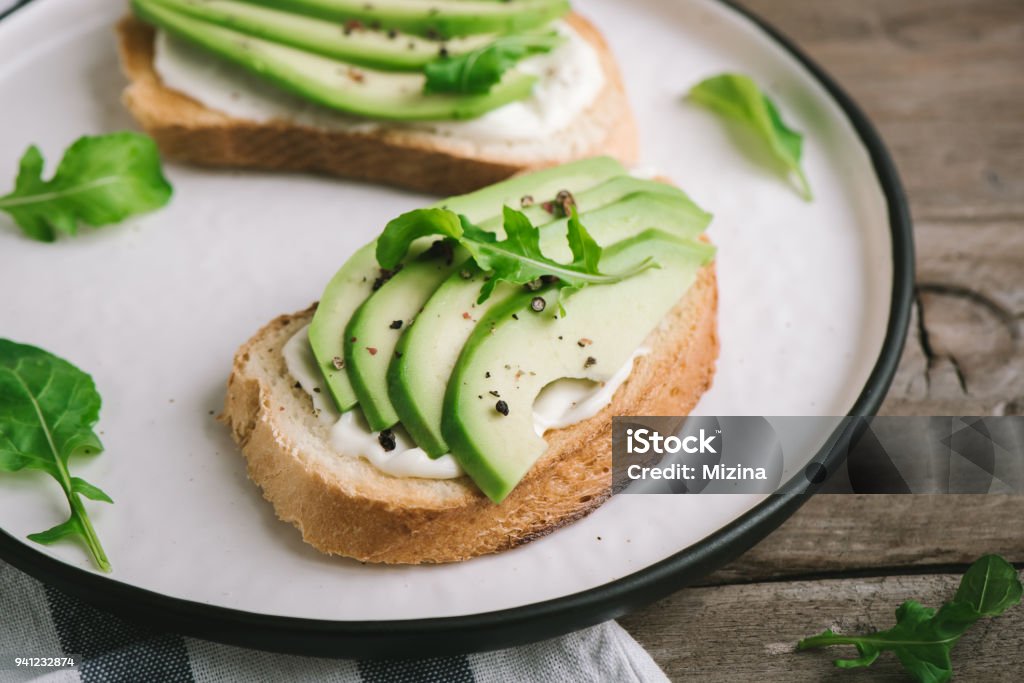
748,632
833,534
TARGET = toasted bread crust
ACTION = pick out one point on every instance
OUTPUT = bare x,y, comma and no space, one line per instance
186,130
344,506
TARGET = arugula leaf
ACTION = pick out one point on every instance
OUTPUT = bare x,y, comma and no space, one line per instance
48,408
517,259
101,180
923,638
393,244
477,71
737,97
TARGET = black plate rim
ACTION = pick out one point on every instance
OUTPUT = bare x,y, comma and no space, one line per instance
528,623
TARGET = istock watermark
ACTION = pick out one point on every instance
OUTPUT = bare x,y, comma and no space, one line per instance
752,454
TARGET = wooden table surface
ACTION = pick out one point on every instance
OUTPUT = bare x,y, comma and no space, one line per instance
943,80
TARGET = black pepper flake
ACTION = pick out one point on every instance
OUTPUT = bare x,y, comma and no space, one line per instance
298,385
338,362
396,324
432,34
566,202
495,394
591,361
515,316
549,279
487,374
584,342
526,201
441,249
392,33
562,205
443,52
387,440
537,304
316,390
501,407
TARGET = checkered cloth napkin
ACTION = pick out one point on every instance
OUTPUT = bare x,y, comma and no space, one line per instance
39,621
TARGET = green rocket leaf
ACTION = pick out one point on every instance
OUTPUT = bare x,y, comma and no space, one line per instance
48,409
737,97
100,180
923,638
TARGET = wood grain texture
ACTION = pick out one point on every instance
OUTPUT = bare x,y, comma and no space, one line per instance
749,632
880,534
943,81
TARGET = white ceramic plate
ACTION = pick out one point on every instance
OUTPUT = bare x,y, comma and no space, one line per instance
154,309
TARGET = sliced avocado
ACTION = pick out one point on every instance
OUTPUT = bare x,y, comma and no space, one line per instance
377,328
355,280
336,84
435,18
352,42
374,330
593,198
416,388
514,353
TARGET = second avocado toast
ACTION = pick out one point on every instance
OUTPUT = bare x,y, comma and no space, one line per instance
452,394
444,96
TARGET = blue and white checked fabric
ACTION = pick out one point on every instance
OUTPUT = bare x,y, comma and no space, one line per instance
37,620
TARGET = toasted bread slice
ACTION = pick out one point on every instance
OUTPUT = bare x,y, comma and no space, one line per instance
345,506
422,160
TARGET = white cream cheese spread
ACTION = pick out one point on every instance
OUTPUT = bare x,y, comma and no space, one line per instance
560,404
570,78
568,401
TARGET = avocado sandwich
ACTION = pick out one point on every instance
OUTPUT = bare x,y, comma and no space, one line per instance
451,394
443,96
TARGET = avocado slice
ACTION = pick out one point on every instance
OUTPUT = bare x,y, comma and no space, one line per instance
515,352
358,44
435,18
333,83
378,326
626,207
374,330
354,281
